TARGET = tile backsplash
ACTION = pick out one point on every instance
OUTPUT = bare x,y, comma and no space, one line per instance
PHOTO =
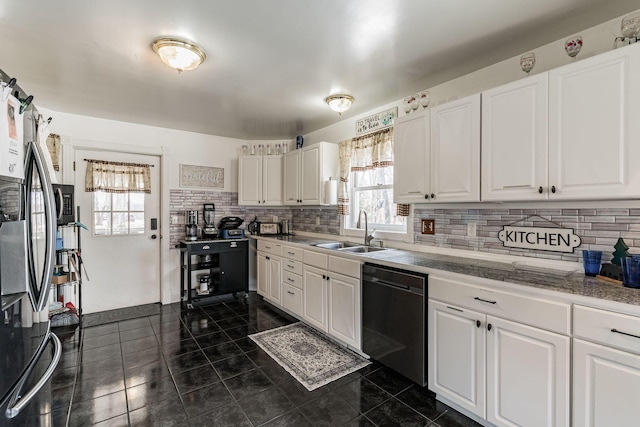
302,219
599,229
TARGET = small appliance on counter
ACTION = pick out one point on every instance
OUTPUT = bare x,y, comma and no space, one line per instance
285,227
254,226
191,225
269,228
228,228
209,215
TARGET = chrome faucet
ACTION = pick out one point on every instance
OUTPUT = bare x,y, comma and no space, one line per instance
367,237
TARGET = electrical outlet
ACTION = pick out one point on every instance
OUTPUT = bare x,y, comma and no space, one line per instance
317,220
175,219
471,229
428,226
275,218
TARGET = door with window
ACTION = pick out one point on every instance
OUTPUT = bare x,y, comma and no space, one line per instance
121,250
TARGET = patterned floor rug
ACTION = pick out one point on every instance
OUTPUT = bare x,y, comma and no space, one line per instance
311,358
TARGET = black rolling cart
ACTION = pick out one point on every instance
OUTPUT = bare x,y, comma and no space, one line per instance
220,266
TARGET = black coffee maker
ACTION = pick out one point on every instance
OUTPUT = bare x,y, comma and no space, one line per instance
209,215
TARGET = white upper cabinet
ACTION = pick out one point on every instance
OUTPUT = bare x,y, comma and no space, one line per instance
515,140
437,154
411,150
306,170
594,131
260,180
455,151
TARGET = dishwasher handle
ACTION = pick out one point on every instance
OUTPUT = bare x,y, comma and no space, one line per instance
367,281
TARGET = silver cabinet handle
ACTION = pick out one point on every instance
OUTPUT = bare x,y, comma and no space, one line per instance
205,247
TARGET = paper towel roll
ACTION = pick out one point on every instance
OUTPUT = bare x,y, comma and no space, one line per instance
331,192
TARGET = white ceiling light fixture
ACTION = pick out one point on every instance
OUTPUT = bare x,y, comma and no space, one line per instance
340,102
179,54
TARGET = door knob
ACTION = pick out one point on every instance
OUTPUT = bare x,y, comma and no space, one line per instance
154,237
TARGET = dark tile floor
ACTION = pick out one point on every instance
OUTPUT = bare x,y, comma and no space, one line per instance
198,368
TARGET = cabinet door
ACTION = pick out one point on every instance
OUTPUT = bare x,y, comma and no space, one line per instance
262,275
344,309
594,105
250,180
315,297
515,140
292,178
292,299
456,356
455,151
310,183
527,375
275,279
606,383
272,180
411,158
234,271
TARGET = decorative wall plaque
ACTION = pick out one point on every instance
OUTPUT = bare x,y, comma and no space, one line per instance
538,238
378,121
201,176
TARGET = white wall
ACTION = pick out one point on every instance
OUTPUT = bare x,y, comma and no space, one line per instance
596,39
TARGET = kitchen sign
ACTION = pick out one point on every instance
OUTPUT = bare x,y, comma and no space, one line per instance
376,122
201,176
538,238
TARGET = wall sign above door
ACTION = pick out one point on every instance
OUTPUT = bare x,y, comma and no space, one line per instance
378,121
538,238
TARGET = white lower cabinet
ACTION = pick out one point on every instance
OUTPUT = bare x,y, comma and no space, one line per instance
315,297
268,277
344,308
503,371
292,299
606,371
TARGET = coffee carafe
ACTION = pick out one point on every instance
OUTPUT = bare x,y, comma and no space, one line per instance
191,225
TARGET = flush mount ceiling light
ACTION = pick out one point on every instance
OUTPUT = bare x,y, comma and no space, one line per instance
339,103
179,54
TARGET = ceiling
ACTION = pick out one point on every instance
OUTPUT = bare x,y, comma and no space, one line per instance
270,64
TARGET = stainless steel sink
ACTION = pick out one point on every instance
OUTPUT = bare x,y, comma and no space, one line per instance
337,245
362,249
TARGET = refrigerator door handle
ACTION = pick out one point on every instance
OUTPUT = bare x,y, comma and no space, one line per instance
41,293
18,402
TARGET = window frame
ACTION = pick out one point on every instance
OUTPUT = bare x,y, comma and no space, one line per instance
111,211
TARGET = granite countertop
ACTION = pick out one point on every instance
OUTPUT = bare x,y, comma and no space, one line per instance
560,281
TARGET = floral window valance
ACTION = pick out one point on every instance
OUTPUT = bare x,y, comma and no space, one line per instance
116,177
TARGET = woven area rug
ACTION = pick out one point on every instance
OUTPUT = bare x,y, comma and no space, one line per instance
311,358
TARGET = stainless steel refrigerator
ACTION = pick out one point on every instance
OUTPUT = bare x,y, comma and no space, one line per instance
27,256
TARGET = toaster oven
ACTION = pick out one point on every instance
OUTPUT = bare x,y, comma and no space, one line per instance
269,228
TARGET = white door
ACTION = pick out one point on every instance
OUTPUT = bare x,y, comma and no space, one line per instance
606,383
457,355
250,180
527,376
344,309
275,278
292,178
262,275
121,252
455,151
272,179
411,158
594,105
310,176
315,297
515,140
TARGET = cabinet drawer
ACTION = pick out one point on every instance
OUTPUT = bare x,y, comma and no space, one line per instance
292,279
292,299
348,267
292,253
292,266
270,247
596,325
315,259
549,315
203,248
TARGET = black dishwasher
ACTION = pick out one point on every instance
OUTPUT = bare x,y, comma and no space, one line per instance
394,319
